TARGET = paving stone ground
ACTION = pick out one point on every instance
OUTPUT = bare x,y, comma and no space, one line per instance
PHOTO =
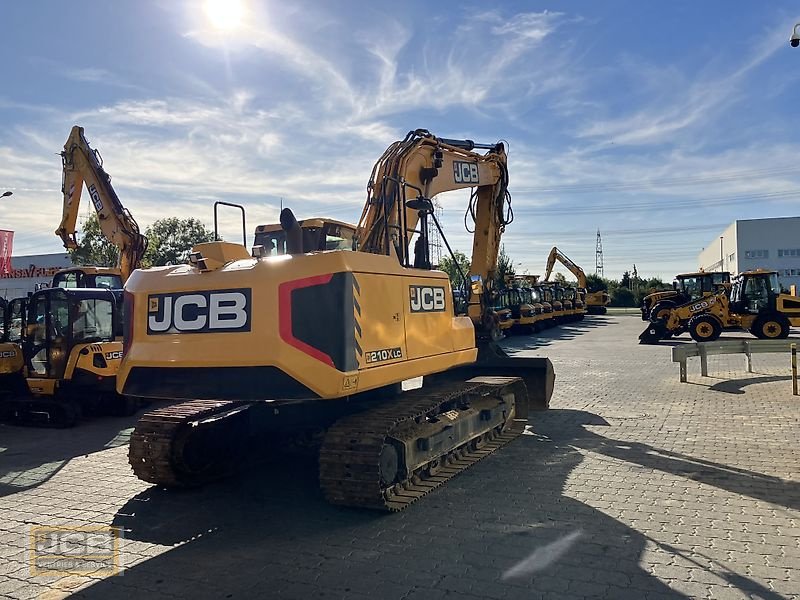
633,486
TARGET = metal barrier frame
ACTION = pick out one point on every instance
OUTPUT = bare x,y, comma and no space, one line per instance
746,347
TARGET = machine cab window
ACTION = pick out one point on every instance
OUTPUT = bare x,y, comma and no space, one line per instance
15,320
60,318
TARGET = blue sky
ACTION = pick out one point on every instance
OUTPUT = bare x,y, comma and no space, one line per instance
658,123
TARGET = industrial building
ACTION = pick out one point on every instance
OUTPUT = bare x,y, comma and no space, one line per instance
757,244
28,271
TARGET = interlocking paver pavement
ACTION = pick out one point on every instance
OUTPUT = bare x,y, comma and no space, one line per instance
633,486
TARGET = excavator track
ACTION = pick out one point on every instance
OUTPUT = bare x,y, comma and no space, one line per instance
353,450
439,431
156,451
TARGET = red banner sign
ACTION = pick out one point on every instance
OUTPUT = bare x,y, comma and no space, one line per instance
6,244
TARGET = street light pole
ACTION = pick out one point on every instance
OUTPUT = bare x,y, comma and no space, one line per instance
795,39
721,256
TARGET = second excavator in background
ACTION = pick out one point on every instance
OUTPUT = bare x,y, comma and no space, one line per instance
595,302
262,347
71,346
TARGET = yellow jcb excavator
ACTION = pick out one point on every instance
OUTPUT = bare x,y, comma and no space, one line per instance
259,346
595,302
71,343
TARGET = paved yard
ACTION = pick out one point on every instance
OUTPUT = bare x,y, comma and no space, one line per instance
632,486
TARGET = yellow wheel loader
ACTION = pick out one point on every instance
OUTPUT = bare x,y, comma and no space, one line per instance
753,303
261,348
686,288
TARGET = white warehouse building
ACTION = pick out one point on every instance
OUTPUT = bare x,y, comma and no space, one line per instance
772,244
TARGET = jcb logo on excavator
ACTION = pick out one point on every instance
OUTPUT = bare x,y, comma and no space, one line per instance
8,353
426,298
95,196
465,172
217,311
115,355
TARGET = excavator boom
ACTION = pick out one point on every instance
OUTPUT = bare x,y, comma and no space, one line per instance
83,166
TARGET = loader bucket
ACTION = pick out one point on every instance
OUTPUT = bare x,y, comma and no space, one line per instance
536,372
654,333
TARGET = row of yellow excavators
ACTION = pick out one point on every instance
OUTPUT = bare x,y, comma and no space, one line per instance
308,335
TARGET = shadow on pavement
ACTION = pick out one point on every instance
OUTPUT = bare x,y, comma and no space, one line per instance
735,386
271,534
733,479
32,455
566,331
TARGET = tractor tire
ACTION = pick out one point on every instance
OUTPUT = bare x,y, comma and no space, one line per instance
773,326
661,311
704,328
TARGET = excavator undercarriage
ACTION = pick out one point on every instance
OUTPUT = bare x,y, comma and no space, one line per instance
374,453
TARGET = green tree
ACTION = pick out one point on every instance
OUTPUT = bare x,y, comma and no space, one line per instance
505,268
169,240
626,280
559,278
94,249
595,283
451,267
622,296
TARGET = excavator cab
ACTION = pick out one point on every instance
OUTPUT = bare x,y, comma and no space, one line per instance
88,277
59,320
317,235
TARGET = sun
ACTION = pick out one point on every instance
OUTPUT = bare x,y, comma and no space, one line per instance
225,15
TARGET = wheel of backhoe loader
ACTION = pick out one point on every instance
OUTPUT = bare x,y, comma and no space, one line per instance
704,328
661,311
771,327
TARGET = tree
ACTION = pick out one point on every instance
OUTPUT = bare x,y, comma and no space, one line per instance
626,280
94,249
559,278
595,283
505,268
169,240
451,267
622,296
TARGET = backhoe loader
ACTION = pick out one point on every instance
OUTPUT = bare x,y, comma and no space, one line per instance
685,288
596,302
753,303
263,347
70,364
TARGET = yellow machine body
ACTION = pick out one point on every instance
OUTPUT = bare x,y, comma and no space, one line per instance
395,324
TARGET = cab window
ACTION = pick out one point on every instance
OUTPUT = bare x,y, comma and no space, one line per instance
93,320
110,282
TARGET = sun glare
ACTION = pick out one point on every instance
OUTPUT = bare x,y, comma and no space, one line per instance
224,14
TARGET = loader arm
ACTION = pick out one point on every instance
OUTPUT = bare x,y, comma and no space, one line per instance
557,255
418,168
83,166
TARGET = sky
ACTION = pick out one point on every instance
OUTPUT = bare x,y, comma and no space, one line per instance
656,123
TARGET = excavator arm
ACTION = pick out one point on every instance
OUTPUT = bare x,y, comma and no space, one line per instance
557,255
83,165
414,170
